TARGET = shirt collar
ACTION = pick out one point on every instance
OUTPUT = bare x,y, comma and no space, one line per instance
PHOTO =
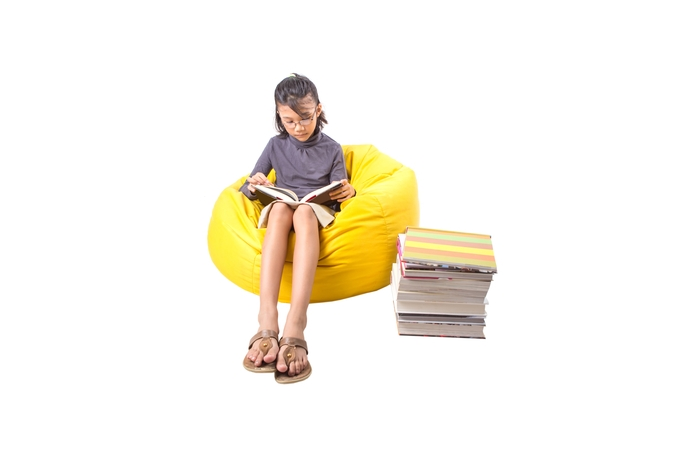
312,141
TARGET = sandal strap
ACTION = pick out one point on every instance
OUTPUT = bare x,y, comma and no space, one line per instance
293,342
263,334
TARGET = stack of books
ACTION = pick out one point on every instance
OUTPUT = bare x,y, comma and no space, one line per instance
440,282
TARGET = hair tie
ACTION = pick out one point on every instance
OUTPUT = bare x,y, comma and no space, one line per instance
291,75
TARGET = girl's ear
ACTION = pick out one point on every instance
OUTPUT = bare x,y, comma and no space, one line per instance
319,108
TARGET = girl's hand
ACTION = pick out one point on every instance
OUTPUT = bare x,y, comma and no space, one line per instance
257,179
346,192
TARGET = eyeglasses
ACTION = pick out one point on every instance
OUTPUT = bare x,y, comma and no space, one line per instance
302,123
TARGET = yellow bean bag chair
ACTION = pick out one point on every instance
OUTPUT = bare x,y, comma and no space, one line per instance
356,249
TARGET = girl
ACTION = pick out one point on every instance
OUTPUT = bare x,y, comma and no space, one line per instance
304,159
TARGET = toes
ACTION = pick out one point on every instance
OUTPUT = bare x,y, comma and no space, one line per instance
281,362
255,356
300,364
272,354
259,360
295,368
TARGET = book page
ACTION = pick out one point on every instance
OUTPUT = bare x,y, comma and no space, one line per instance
267,194
321,195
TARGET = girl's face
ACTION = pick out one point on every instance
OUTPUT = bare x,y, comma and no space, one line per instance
300,126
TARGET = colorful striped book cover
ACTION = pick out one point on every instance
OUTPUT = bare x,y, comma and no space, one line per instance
454,248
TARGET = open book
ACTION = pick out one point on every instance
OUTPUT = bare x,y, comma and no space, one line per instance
268,194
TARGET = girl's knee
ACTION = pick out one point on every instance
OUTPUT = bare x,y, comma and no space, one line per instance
304,215
280,213
281,210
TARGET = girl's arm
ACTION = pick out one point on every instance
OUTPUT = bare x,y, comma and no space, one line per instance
259,173
339,172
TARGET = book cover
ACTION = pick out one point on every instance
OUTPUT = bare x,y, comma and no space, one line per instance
434,271
449,248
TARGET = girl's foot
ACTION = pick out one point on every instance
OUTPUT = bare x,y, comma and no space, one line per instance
292,358
263,348
297,365
292,363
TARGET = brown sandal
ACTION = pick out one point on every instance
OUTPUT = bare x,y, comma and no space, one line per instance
265,346
289,357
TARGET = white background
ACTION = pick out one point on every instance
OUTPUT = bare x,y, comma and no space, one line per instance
549,124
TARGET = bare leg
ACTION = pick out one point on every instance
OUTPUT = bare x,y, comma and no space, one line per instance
274,250
305,258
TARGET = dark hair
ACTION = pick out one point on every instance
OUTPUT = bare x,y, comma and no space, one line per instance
289,92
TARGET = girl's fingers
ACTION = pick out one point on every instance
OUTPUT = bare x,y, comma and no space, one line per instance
259,179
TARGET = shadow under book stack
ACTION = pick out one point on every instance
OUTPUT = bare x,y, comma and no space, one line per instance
440,282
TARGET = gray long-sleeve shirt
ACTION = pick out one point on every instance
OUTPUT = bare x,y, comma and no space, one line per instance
301,166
